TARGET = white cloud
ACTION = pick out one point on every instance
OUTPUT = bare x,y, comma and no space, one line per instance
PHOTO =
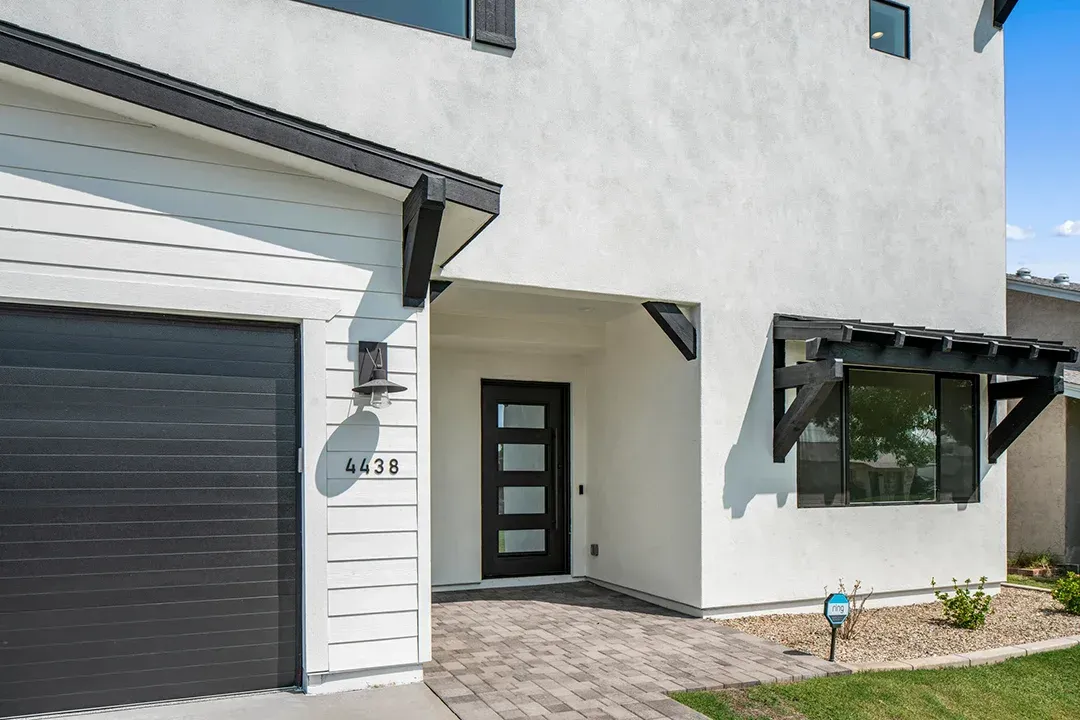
1015,232
1069,228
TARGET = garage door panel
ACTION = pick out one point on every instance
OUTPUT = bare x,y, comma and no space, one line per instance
96,667
109,636
221,348
82,326
72,359
175,579
277,637
141,397
73,378
160,562
54,702
139,463
105,615
113,531
142,513
136,430
145,414
153,447
148,509
133,598
122,496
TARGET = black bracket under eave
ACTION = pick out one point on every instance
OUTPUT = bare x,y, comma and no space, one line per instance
675,325
421,218
1035,394
813,382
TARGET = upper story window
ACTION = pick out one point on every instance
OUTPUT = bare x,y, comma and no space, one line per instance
444,16
885,436
889,28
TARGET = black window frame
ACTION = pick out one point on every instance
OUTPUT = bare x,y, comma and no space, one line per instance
468,18
907,28
977,444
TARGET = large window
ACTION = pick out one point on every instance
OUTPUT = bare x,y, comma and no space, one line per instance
445,16
885,436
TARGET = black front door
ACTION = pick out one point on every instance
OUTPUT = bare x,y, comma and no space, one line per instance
525,492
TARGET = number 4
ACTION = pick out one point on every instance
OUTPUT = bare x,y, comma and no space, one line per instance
350,466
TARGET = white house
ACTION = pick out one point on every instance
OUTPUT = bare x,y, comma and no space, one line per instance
586,242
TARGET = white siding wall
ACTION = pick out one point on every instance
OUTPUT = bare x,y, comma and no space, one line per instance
87,194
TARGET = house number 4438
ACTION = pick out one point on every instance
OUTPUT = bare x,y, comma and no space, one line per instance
377,466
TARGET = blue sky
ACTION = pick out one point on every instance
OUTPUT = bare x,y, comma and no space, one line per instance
1042,134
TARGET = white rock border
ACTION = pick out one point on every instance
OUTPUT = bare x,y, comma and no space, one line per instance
978,657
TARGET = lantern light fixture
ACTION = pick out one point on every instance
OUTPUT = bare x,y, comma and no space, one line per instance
372,375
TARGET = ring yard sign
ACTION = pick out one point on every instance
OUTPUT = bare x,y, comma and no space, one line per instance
837,609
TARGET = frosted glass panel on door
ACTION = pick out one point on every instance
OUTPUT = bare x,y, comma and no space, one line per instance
526,500
518,457
522,541
522,416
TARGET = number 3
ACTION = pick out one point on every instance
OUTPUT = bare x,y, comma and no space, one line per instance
379,466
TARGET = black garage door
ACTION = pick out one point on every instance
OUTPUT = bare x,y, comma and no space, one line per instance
148,509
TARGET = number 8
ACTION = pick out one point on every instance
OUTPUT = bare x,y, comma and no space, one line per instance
393,467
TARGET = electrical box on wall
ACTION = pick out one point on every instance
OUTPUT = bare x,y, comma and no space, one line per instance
594,550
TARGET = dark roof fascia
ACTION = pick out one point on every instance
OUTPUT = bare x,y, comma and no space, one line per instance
94,71
916,346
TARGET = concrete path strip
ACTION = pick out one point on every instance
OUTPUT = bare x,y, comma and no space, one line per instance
402,702
976,657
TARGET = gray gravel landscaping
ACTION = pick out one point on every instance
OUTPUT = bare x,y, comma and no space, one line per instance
914,631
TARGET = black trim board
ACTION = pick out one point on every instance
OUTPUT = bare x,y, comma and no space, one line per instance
100,73
675,325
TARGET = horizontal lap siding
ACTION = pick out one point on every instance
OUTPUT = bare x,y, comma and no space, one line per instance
88,194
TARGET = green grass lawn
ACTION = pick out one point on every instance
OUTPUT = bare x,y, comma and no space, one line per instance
1032,581
1040,686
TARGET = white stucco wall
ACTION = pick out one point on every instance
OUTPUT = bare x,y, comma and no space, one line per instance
751,157
100,210
645,438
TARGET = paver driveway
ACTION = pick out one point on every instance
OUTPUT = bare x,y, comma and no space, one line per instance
575,651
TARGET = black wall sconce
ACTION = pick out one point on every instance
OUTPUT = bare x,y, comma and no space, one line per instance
372,377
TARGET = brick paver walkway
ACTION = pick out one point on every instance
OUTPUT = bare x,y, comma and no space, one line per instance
567,652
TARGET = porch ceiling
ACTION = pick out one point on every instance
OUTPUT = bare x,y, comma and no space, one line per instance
478,317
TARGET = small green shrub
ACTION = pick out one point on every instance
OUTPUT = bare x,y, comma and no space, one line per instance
964,609
1067,592
1043,560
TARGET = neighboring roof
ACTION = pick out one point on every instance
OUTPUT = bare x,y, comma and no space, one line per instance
900,336
94,71
1042,286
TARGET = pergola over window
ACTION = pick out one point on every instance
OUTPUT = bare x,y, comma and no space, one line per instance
887,413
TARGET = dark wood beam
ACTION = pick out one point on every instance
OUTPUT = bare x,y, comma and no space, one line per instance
421,219
675,325
798,416
1011,389
914,358
808,373
1002,10
784,329
1020,417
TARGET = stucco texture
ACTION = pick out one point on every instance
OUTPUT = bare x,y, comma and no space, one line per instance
1044,462
749,157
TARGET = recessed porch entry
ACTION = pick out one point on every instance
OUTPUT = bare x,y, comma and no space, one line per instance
525,493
